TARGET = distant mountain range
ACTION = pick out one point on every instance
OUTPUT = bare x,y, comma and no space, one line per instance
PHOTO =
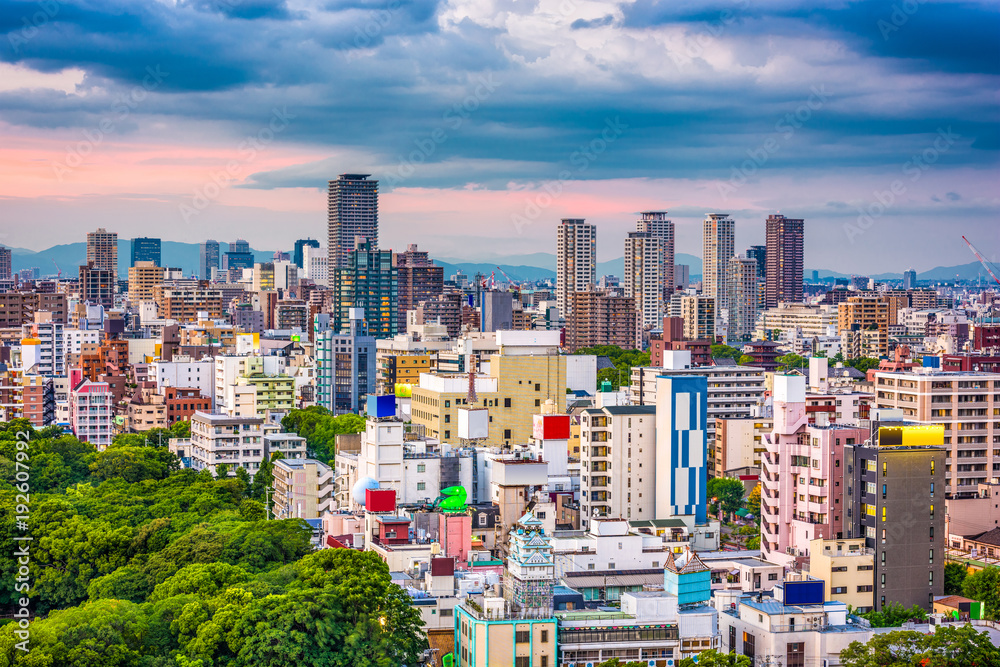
530,267
70,256
542,266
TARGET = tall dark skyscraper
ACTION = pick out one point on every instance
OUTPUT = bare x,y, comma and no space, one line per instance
352,210
208,259
299,245
370,281
783,280
238,256
759,253
145,249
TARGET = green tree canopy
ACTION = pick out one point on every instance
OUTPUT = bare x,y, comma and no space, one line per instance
713,658
728,491
720,351
984,586
320,429
948,646
954,577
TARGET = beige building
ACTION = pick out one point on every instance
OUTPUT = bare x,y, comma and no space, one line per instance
643,280
848,568
737,444
968,404
576,260
618,463
698,313
867,313
527,372
812,320
184,303
719,246
742,297
303,488
102,250
141,279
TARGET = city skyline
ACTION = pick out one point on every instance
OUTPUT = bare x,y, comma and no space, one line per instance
762,109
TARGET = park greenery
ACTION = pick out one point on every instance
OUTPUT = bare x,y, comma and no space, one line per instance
136,562
984,585
624,360
725,493
320,428
949,646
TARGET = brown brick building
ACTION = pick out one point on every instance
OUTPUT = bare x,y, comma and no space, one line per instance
598,318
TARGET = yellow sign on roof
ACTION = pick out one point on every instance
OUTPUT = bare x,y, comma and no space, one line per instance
915,435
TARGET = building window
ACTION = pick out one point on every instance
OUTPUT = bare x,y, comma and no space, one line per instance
545,636
545,661
773,576
522,637
839,590
732,638
447,434
930,556
522,661
506,434
421,486
930,578
506,402
748,645
796,655
421,467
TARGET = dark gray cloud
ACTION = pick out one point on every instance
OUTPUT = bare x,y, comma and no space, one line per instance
701,87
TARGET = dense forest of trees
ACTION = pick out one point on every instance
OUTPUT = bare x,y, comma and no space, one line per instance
136,562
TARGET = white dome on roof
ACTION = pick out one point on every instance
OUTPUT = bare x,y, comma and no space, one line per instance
359,488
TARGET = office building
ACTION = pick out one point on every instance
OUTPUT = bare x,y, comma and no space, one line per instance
733,391
370,282
598,318
895,490
526,373
682,276
239,256
298,256
576,260
97,286
291,314
758,253
6,272
497,313
303,489
618,462
420,279
145,249
967,404
317,263
208,258
102,251
909,279
681,447
143,276
783,281
719,245
742,298
445,309
643,276
657,224
345,365
352,210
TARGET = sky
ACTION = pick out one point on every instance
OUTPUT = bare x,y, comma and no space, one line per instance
487,121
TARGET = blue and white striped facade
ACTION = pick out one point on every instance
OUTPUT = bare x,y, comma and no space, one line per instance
682,447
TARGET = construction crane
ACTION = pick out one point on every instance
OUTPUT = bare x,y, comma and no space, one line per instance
982,260
59,274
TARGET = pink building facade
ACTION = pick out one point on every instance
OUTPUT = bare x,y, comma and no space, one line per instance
802,498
